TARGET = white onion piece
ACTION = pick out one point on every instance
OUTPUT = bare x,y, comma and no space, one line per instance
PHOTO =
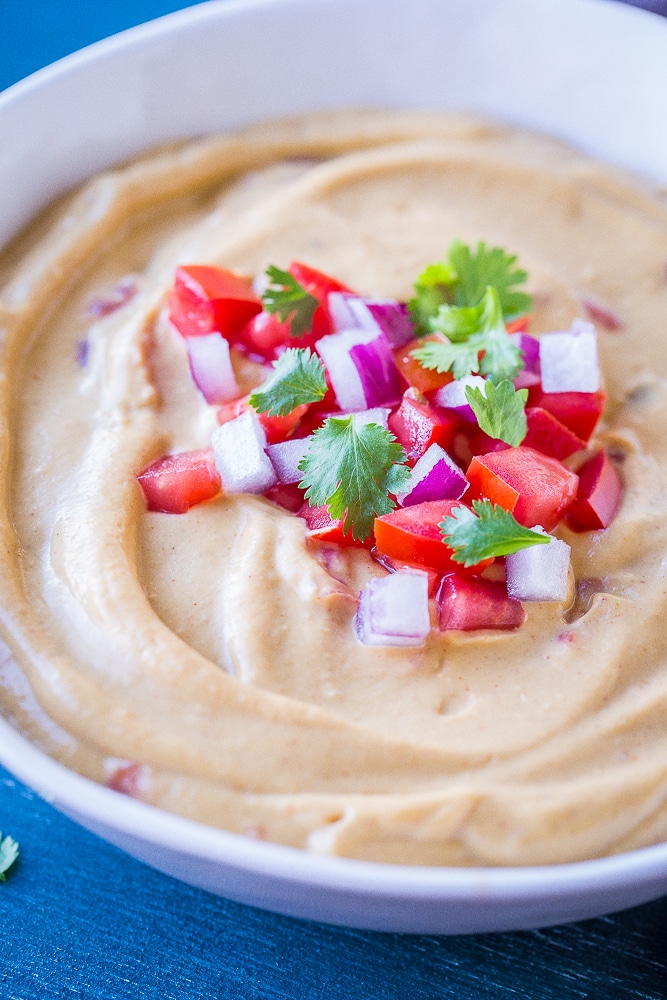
361,368
285,457
539,573
453,395
240,458
350,312
569,359
393,610
530,350
434,477
378,415
211,367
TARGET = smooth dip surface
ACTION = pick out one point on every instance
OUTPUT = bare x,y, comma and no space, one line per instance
214,649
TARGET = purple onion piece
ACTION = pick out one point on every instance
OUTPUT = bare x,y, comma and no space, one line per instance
434,477
453,396
380,378
569,359
285,457
539,573
351,312
211,367
530,350
240,458
393,319
334,350
393,610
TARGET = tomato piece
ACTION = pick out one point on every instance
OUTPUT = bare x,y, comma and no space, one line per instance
265,336
286,495
423,379
276,428
536,488
599,495
418,424
207,299
579,411
549,435
519,325
318,285
174,483
322,527
412,535
468,604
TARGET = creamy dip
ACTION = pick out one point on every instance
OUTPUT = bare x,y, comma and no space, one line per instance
209,659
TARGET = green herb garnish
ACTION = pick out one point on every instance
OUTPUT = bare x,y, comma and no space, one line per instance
353,470
486,531
297,378
501,412
290,300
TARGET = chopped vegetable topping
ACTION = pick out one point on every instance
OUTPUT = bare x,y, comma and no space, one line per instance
484,532
471,331
298,378
290,300
500,410
353,469
9,852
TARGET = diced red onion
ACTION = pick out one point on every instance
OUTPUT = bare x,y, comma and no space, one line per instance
539,573
240,458
434,477
569,359
453,396
211,367
361,368
285,457
599,313
530,350
393,610
350,312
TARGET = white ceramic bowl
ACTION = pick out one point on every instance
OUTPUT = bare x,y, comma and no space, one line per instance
591,71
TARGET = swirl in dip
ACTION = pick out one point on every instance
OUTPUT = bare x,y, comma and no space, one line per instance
207,662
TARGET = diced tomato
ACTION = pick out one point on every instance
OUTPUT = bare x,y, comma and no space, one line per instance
423,379
276,428
599,494
481,443
518,325
418,424
206,299
412,535
549,435
536,488
174,483
468,604
579,411
265,336
286,495
322,527
318,285
396,565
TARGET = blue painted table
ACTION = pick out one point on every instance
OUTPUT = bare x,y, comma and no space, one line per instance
81,919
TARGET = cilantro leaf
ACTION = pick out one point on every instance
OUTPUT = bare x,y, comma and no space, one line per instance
9,852
352,470
297,378
290,300
501,412
432,289
476,341
487,266
486,531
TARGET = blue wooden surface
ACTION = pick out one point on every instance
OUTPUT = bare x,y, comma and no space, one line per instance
81,919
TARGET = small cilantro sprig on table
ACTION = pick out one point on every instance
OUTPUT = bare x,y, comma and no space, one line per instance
353,469
290,300
485,532
9,852
297,378
475,340
501,412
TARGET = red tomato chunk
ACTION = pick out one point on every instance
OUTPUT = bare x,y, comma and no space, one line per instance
417,425
174,483
467,604
276,428
598,496
412,535
580,411
210,299
549,435
535,488
322,527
